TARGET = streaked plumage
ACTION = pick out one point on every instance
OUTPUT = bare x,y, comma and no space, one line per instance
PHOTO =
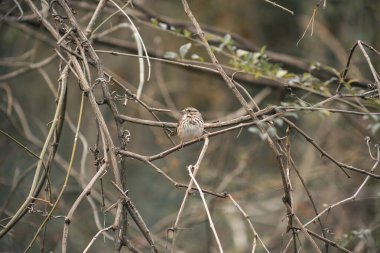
190,125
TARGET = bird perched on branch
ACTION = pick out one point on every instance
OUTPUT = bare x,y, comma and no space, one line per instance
190,125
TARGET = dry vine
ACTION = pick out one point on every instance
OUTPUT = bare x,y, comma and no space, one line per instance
111,108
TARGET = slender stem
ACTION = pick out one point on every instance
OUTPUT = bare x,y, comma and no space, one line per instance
76,204
189,188
40,164
73,152
96,236
206,209
20,144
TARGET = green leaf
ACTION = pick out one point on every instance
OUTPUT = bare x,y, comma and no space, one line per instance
184,49
262,50
325,112
347,85
291,114
281,73
302,103
241,53
197,58
279,122
163,25
186,33
374,128
374,117
254,130
363,234
170,55
154,21
272,131
227,39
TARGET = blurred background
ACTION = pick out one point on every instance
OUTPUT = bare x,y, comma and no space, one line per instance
238,162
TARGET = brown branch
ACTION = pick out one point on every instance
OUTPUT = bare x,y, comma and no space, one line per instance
247,218
50,147
341,165
352,197
193,173
136,217
303,229
324,239
73,208
32,66
375,75
211,134
266,111
95,16
291,164
146,160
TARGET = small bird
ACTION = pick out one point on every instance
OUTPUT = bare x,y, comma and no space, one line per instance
190,125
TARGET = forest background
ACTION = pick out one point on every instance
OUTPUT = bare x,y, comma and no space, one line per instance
90,94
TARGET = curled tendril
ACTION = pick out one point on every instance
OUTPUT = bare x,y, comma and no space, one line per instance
127,96
100,79
376,145
86,43
32,208
371,86
127,136
116,96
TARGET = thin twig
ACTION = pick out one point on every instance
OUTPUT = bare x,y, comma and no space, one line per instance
137,218
95,237
136,32
351,198
373,71
327,241
311,23
76,204
73,152
246,216
59,111
312,142
20,144
195,168
279,6
303,229
189,168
